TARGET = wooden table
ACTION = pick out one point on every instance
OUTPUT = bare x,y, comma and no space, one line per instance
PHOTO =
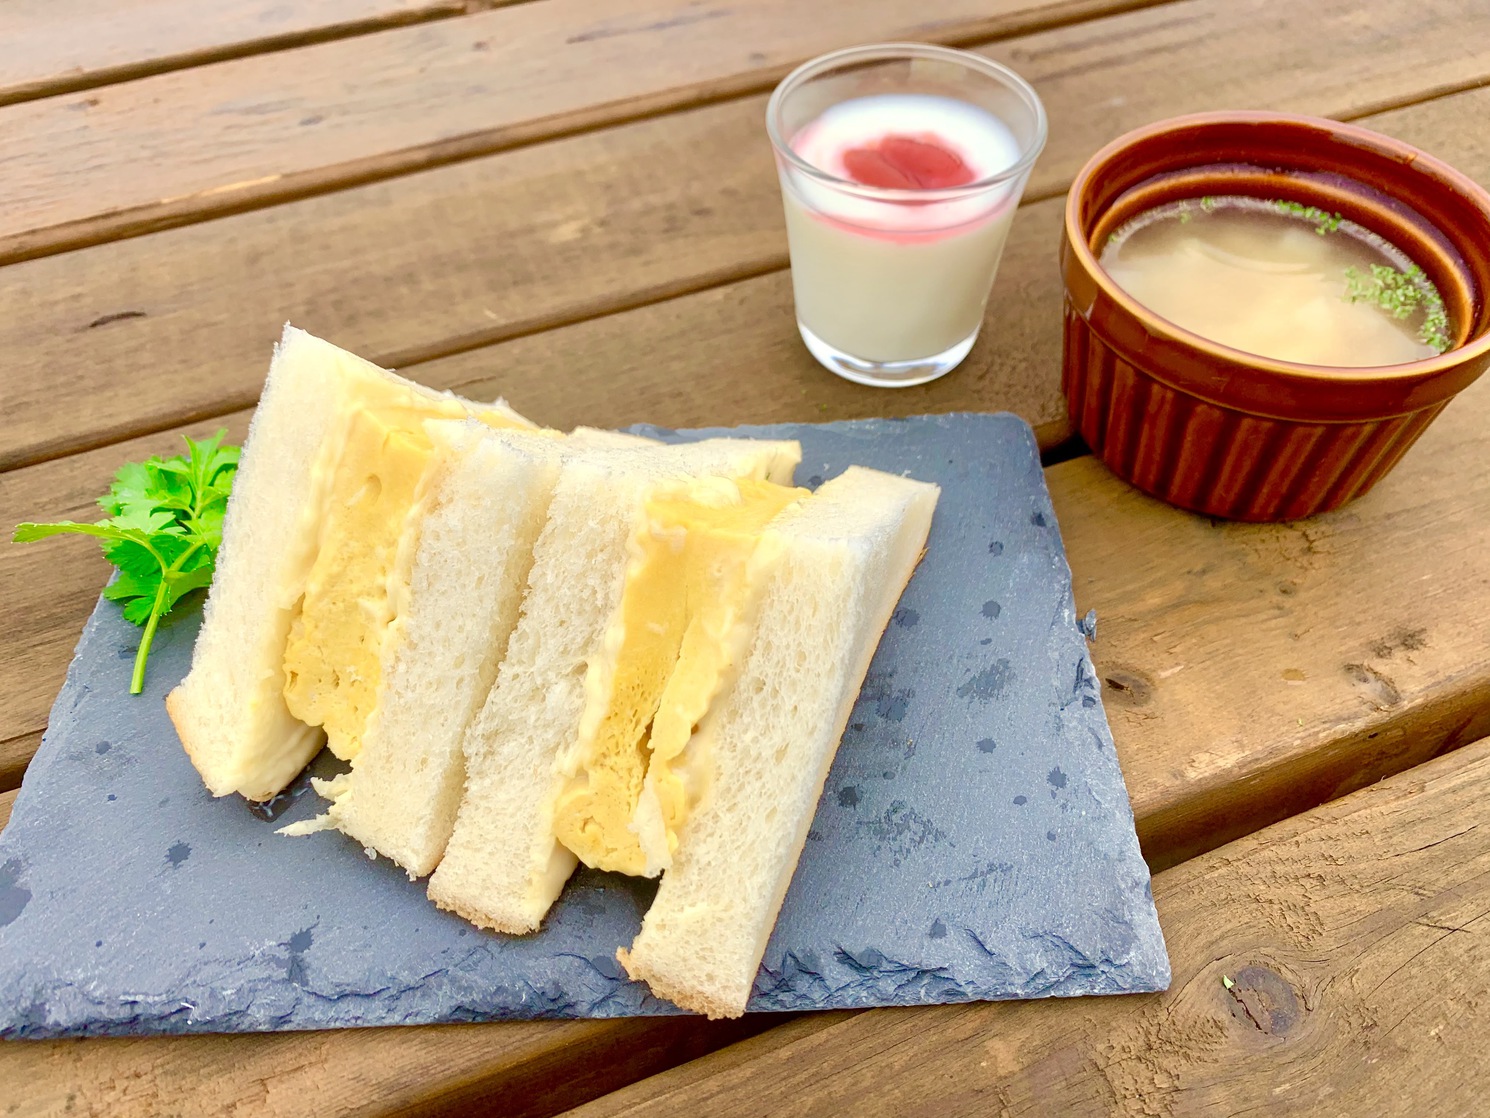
572,203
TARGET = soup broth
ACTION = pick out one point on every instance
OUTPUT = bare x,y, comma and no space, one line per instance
1280,280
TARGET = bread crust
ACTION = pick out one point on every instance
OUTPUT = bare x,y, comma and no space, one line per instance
493,922
684,997
176,708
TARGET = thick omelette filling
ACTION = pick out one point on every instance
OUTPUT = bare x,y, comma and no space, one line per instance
333,659
687,605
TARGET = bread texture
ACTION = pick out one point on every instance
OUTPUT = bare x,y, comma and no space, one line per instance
503,867
472,545
843,559
230,710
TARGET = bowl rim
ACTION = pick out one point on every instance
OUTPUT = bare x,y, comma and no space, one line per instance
1427,368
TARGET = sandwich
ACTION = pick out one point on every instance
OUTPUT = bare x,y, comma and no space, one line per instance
538,650
746,786
466,559
504,866
465,571
288,652
671,702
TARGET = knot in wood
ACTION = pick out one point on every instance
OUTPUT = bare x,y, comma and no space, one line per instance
1129,686
1265,1000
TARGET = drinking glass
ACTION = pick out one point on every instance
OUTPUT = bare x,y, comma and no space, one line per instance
891,268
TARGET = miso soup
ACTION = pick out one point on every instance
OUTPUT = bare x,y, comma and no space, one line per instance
1280,280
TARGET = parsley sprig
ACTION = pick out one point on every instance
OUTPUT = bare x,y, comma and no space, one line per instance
162,532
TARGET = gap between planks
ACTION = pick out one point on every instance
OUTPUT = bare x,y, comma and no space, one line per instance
15,754
78,73
179,204
174,205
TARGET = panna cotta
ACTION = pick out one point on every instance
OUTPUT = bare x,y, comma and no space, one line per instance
894,245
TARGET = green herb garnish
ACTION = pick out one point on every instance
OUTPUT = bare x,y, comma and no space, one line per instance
1323,222
1399,293
162,532
1207,203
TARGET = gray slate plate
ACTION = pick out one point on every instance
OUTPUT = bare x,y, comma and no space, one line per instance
974,840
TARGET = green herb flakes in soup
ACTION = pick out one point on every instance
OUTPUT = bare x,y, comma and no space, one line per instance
1279,279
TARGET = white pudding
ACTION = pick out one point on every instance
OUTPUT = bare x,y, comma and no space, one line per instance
892,277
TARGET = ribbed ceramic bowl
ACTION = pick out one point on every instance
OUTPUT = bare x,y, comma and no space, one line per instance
1224,432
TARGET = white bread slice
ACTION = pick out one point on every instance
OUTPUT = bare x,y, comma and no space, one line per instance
230,711
503,867
768,742
472,545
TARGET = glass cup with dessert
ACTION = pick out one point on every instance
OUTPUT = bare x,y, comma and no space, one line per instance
901,167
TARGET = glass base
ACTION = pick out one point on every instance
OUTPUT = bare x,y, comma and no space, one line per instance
886,374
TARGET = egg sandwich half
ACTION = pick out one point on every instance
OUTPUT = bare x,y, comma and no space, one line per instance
313,564
670,703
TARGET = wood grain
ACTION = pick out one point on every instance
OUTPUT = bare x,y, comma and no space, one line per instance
734,351
7,799
1355,939
517,1070
399,271
16,752
61,46
1251,672
463,256
253,130
731,352
370,282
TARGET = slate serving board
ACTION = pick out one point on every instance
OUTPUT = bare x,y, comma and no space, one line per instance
974,840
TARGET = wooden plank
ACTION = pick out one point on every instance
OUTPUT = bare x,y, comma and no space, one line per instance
16,752
7,799
429,1056
61,46
652,364
133,156
733,351
467,254
518,1069
1354,939
1253,671
462,256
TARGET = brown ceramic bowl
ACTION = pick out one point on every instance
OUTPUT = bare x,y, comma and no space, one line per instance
1220,431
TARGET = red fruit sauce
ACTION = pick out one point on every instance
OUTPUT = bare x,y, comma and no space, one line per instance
894,162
